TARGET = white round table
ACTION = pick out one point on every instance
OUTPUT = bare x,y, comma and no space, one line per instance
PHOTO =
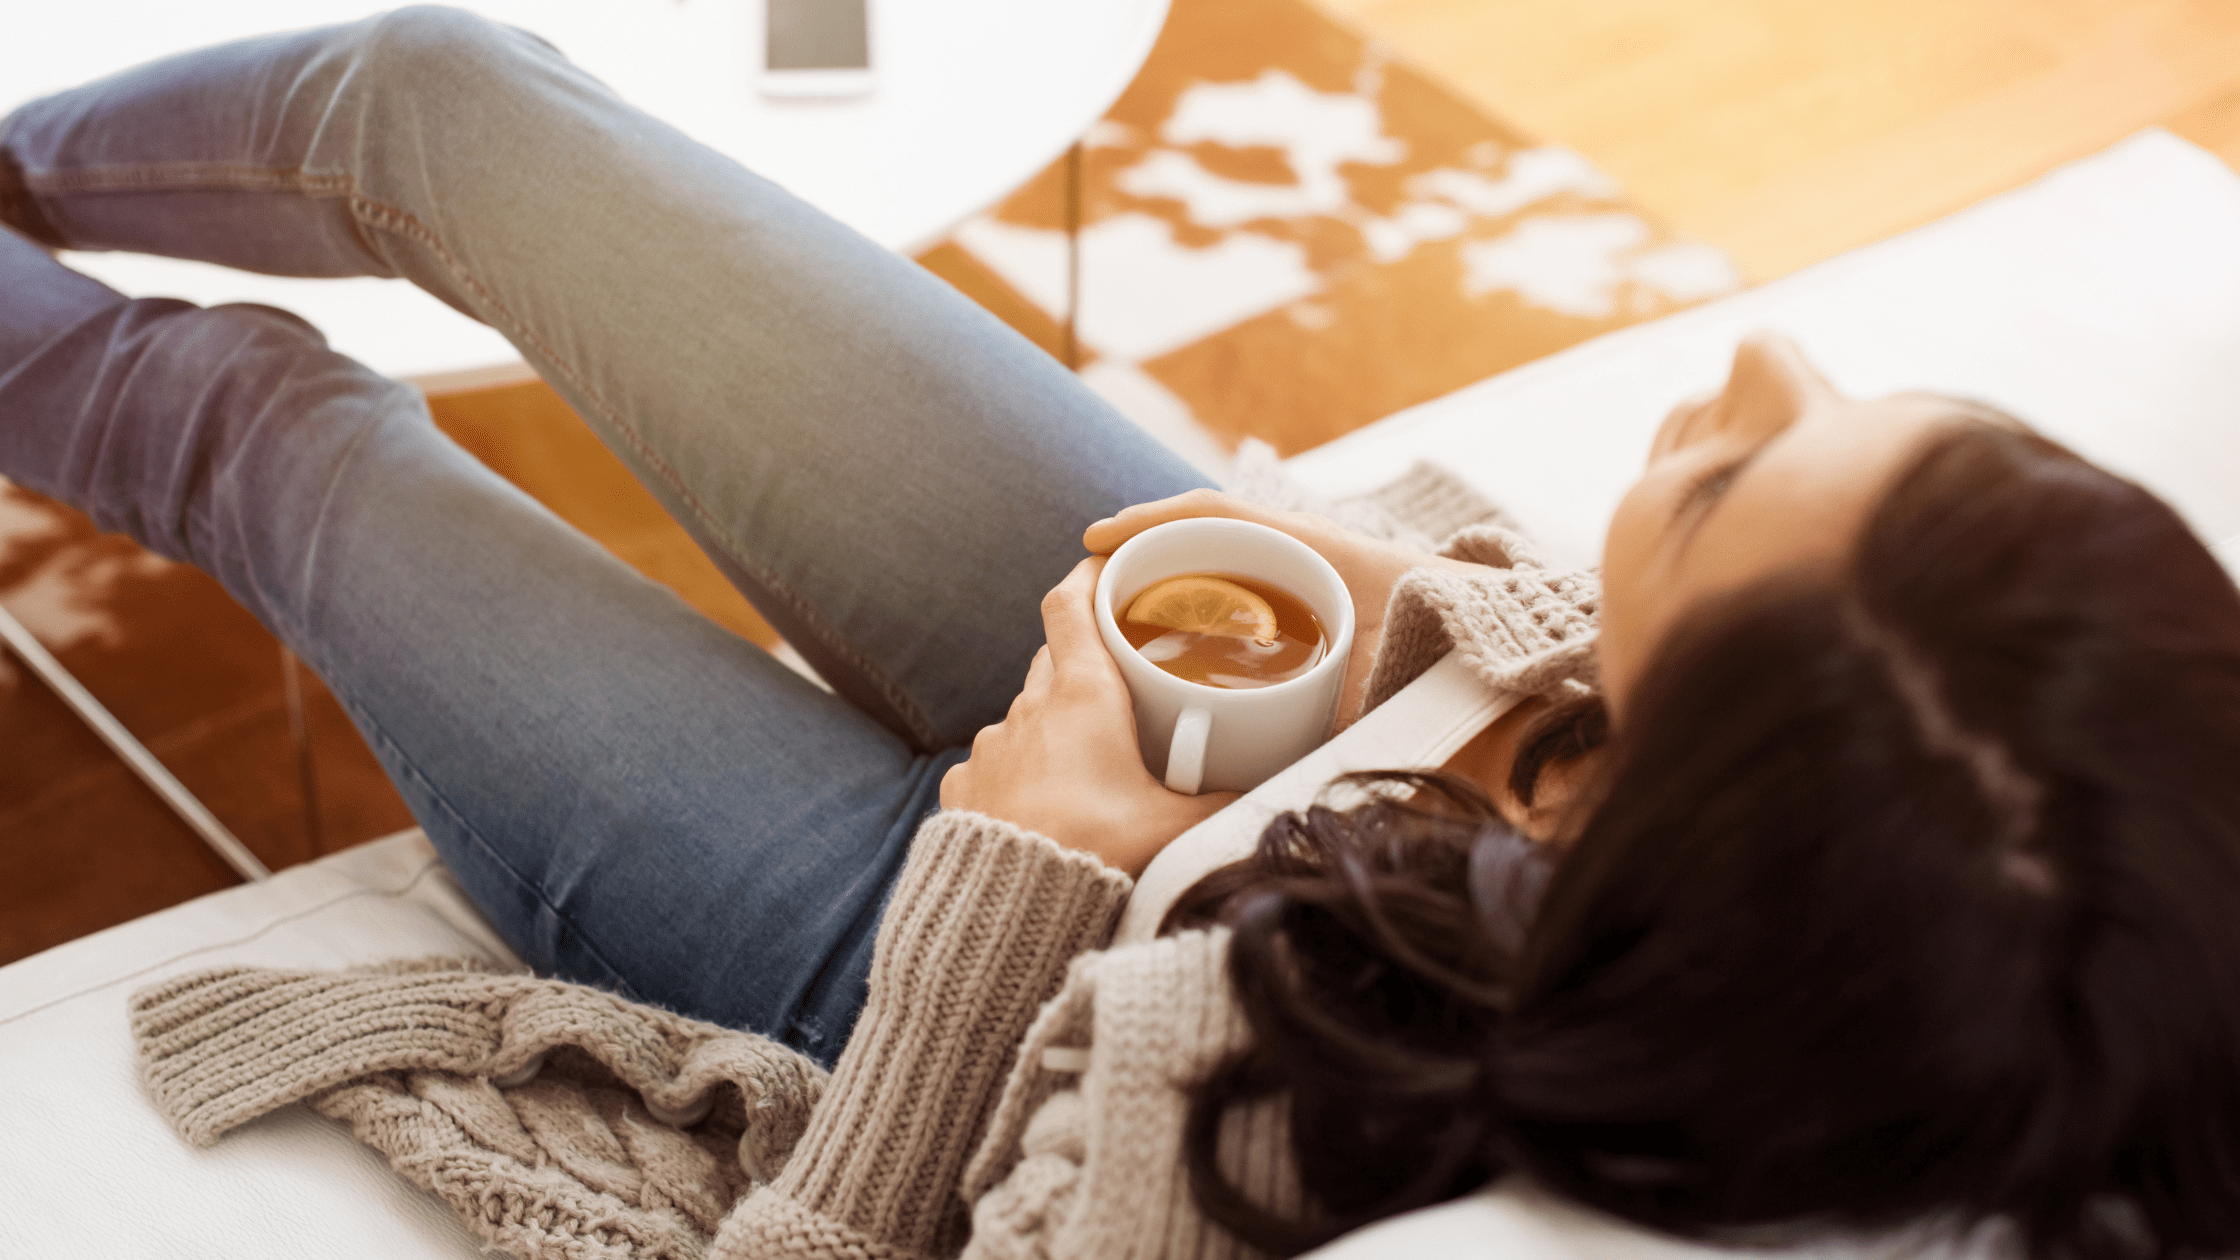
973,97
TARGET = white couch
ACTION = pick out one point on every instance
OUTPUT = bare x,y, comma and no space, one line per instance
2102,304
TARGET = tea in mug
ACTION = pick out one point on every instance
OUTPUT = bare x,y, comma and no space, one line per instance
1223,630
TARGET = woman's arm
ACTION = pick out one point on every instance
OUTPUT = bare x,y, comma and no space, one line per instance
1064,761
1025,869
977,937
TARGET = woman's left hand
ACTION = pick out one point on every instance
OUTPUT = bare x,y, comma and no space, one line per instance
1368,566
1064,760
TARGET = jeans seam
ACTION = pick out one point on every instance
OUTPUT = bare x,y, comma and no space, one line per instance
222,175
386,218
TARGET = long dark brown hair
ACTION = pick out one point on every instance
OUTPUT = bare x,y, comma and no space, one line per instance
1908,890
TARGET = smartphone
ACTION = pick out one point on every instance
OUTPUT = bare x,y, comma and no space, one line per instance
816,47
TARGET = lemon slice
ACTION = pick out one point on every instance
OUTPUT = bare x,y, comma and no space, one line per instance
1206,605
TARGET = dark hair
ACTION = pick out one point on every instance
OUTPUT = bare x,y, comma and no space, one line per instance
1908,891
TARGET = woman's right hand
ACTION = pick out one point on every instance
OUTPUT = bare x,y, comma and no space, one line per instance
1064,760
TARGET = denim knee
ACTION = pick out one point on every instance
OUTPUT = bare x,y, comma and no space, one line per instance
453,45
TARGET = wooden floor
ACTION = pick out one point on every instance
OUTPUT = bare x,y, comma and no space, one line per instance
1787,131
1783,131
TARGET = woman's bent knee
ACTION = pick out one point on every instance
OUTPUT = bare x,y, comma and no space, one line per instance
436,42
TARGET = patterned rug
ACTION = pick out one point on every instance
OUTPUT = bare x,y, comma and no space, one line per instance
1285,234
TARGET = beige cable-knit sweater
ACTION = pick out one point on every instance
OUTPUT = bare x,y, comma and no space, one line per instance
958,1118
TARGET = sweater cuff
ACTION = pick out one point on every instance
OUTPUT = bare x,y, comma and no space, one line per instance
1523,629
770,1226
219,1048
982,924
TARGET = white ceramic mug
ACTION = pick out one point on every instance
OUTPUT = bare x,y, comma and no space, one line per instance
1221,739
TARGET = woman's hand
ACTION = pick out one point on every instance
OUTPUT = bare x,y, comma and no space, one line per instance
1064,760
1369,567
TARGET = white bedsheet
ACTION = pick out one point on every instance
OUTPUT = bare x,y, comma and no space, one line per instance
87,1167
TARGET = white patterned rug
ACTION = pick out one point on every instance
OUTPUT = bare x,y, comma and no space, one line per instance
1285,234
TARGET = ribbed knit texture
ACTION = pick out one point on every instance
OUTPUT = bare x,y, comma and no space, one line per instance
571,1163
1521,627
1528,628
977,936
1088,1163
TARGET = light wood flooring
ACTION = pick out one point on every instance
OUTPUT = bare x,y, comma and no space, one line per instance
1787,131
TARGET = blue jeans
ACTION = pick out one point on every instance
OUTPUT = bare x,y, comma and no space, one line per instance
636,798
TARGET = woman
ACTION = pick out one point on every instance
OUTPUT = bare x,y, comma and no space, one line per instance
1918,722
1903,894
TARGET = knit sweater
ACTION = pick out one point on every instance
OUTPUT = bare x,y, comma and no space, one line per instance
1007,1091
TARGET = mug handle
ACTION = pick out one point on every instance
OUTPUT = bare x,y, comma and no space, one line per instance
1186,755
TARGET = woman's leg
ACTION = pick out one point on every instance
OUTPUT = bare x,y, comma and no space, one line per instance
634,796
891,475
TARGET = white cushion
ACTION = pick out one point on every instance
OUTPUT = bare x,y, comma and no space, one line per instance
91,1170
2101,303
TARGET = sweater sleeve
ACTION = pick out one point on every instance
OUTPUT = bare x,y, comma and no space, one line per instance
1518,624
976,938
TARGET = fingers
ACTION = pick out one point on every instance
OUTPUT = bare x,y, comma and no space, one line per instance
1037,687
1069,622
1106,535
